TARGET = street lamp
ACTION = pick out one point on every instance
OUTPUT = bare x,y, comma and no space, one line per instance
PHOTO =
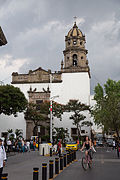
51,99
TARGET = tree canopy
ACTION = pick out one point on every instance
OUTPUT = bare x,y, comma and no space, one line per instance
12,100
77,108
41,113
106,111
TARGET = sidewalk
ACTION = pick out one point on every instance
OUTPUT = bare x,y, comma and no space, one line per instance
20,166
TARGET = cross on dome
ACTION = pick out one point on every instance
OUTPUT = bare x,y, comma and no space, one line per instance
75,18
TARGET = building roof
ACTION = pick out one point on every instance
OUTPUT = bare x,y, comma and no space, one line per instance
75,32
3,40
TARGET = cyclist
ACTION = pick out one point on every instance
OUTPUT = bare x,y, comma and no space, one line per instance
87,146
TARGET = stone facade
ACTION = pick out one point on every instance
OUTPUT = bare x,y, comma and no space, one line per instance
37,76
37,98
3,40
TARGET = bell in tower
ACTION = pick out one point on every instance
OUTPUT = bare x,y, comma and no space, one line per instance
75,54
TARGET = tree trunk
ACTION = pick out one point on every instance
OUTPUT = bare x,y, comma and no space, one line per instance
117,132
78,132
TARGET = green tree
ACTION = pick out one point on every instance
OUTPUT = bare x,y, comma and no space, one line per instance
77,108
106,111
12,100
39,113
61,133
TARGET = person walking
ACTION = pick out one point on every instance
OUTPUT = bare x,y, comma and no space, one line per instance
23,145
2,157
114,146
9,143
59,147
28,145
118,147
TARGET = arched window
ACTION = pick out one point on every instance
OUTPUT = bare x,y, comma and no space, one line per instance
74,60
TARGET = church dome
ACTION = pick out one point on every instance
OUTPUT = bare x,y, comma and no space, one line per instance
75,32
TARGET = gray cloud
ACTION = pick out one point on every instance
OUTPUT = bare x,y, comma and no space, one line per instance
35,31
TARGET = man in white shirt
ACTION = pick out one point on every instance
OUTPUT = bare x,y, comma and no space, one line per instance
2,157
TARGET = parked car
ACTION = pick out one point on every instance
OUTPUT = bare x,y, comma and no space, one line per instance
100,143
71,146
109,142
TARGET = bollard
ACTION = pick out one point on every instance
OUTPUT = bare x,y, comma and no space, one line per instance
71,156
4,176
44,171
43,152
74,155
35,173
61,162
64,160
56,165
50,169
51,152
68,158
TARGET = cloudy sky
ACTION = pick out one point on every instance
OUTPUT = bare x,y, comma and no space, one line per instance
36,29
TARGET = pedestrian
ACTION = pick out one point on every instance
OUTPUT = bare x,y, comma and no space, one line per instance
95,143
59,147
2,157
28,145
9,144
34,145
114,144
23,145
118,147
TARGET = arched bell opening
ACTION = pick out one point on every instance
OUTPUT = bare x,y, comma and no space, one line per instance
75,60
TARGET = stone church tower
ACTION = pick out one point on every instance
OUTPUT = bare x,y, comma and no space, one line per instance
75,59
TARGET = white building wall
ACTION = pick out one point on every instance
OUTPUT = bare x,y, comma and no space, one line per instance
73,86
11,122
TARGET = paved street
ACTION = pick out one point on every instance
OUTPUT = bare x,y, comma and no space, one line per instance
106,166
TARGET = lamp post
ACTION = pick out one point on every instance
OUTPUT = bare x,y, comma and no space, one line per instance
38,136
51,99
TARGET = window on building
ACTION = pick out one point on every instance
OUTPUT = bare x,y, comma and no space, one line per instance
68,42
82,131
81,43
74,60
81,57
73,131
38,102
74,42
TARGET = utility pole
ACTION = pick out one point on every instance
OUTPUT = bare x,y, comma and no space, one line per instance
51,99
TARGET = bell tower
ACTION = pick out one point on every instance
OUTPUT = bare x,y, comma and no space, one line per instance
75,54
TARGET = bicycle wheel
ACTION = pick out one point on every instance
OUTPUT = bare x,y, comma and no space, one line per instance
90,164
84,163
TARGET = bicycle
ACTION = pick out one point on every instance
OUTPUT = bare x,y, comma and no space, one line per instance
87,161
